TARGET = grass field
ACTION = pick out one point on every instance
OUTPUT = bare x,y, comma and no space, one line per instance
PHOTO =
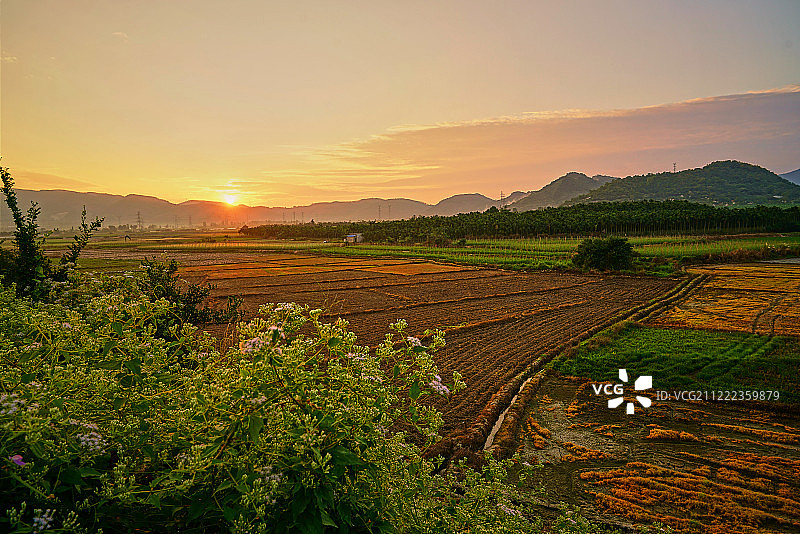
691,360
657,253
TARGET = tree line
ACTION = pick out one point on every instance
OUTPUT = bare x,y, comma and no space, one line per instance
646,217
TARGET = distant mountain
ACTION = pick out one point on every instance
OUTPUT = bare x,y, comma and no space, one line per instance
62,209
513,197
560,190
793,176
722,182
719,183
465,203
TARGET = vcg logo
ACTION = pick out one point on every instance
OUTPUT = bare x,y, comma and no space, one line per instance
642,383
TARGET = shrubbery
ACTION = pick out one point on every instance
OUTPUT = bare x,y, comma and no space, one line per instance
609,253
160,281
104,425
26,265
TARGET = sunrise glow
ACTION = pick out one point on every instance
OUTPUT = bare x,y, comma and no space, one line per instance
229,199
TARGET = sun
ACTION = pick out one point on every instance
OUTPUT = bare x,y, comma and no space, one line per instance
230,199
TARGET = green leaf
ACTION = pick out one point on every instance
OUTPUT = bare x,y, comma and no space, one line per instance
71,476
197,508
154,499
344,456
135,366
27,378
116,326
108,345
414,391
334,342
326,519
89,472
118,402
256,424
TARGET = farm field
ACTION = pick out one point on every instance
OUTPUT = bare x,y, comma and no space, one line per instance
658,252
695,465
759,298
498,322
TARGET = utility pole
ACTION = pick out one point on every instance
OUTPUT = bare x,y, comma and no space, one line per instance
674,167
379,212
139,219
388,212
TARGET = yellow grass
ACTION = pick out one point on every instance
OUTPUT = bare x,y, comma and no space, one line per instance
758,298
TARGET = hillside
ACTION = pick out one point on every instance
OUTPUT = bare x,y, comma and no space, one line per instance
559,191
718,183
793,176
466,203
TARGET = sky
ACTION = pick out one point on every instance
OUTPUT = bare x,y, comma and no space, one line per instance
286,103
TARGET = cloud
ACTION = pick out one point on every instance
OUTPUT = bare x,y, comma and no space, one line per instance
529,150
39,181
8,59
120,35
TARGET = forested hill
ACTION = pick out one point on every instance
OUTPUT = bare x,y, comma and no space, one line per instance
560,190
720,183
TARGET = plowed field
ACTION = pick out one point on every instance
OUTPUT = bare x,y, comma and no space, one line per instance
500,321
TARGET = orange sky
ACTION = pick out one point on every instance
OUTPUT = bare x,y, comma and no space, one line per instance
289,103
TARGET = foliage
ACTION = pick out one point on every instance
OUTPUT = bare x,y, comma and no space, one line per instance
724,182
160,281
27,266
104,425
610,253
647,217
691,360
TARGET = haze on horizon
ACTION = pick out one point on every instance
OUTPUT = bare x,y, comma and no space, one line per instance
269,103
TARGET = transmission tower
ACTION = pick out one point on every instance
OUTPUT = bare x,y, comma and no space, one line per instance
139,219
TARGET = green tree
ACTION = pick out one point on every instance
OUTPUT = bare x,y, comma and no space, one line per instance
610,253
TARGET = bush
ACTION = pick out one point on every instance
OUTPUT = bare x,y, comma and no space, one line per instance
161,281
103,425
26,265
609,253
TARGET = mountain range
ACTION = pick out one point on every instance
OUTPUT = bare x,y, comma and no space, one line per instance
719,183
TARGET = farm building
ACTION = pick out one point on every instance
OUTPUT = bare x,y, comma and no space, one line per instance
353,238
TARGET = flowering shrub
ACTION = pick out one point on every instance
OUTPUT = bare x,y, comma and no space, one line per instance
105,425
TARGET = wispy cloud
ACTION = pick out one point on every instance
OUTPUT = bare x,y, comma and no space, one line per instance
526,151
38,180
